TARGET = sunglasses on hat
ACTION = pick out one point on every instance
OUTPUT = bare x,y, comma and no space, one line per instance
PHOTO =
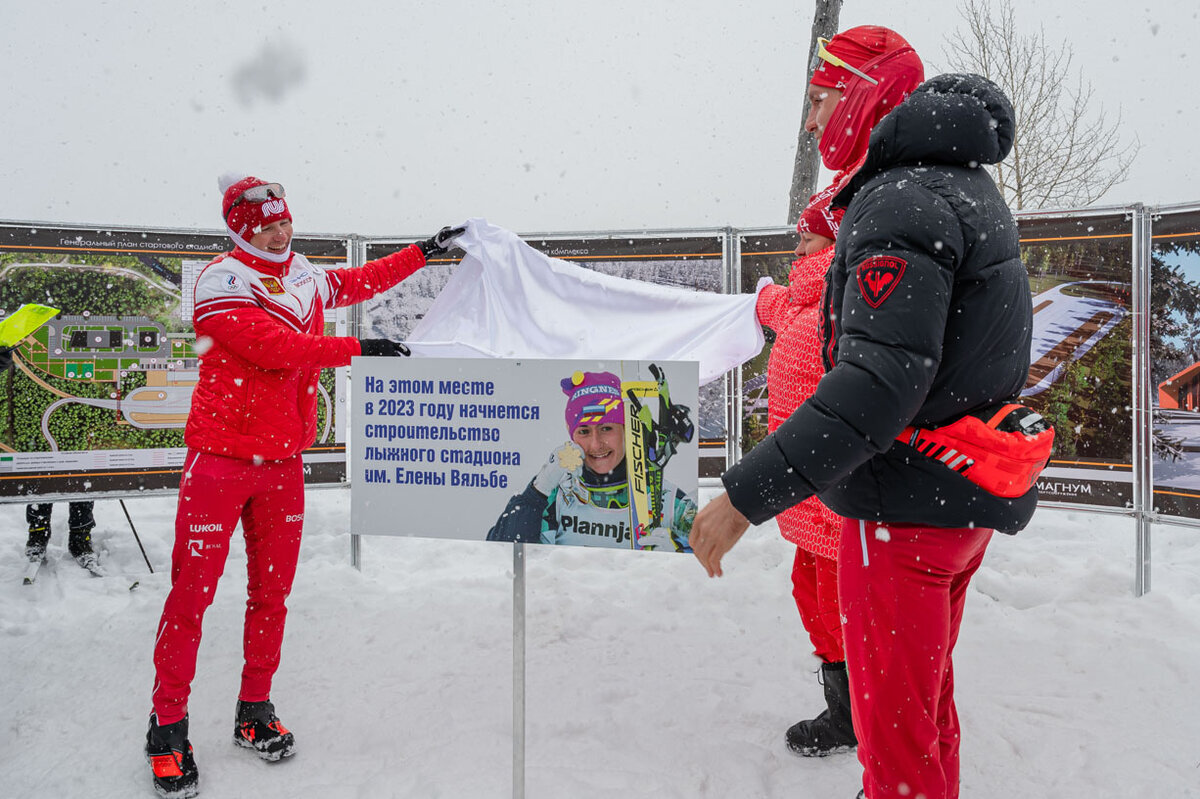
823,54
258,194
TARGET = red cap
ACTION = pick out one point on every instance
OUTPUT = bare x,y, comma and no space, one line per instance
247,217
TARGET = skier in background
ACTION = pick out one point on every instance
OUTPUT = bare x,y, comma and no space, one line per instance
80,522
581,494
259,321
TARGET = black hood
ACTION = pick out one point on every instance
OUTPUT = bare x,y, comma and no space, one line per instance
953,120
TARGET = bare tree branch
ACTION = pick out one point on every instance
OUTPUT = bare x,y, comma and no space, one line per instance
1066,152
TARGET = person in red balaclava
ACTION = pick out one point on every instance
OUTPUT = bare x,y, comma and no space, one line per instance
858,77
926,321
260,322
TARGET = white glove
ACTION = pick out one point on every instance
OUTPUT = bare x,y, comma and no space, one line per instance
562,469
655,538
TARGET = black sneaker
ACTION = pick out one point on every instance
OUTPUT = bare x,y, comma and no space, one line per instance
35,545
258,728
170,756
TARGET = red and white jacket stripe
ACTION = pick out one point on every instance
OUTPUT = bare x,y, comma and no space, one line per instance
260,327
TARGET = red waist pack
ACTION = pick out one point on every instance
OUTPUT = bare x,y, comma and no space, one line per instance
1002,448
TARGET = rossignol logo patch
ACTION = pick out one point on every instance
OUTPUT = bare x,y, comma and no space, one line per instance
271,285
878,277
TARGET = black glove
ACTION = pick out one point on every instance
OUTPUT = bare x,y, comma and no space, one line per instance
440,242
384,347
5,358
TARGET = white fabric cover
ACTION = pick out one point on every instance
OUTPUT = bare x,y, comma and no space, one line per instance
507,300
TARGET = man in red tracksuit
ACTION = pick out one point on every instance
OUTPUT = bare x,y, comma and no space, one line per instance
259,321
927,318
796,366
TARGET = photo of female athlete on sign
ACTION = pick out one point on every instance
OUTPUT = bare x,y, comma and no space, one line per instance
582,493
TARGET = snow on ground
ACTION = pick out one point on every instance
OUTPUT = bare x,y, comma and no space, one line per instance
644,677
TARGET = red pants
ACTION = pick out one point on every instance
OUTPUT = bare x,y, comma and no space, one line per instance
815,589
902,600
214,493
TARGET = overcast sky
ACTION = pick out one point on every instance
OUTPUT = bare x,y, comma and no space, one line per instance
539,115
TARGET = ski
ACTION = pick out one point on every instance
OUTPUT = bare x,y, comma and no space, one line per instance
650,440
33,569
30,572
92,566
638,432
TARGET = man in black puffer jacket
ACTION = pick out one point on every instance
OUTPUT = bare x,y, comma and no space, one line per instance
928,317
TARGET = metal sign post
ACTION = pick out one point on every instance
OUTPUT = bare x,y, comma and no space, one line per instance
518,670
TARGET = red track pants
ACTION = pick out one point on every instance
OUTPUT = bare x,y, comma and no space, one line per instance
214,493
815,589
902,594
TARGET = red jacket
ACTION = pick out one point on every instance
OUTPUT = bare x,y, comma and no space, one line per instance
260,329
793,369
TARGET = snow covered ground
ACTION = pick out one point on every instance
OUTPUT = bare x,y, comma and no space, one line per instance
644,677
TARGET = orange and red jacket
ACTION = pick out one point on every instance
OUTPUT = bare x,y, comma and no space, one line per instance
794,368
260,329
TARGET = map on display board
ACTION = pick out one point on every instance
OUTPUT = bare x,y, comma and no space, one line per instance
97,397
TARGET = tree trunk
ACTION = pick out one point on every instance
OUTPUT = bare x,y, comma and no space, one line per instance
808,160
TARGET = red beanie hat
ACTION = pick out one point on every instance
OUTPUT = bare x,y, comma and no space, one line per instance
247,217
818,218
891,62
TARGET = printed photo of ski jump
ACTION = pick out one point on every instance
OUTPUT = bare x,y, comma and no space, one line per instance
1080,273
1068,320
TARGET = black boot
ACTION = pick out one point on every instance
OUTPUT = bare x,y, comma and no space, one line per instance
832,731
80,546
258,728
35,545
170,756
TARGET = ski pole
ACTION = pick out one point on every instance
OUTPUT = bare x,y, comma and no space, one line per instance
135,535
